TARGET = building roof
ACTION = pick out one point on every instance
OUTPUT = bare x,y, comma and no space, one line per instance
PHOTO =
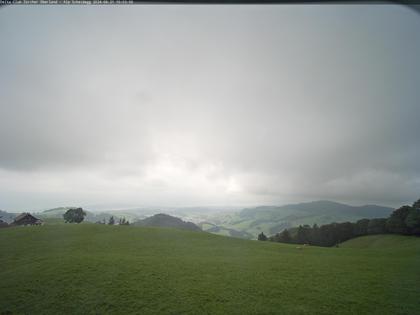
25,215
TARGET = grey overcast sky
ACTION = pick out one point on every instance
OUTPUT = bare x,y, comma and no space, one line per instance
208,105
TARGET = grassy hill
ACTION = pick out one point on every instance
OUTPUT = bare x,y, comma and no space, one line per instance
385,242
274,219
100,269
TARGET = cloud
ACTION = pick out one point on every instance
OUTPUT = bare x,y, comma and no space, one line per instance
193,105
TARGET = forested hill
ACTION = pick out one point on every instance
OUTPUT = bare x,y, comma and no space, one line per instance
165,220
404,221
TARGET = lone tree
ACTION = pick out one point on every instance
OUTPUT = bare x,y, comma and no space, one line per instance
75,215
111,221
262,237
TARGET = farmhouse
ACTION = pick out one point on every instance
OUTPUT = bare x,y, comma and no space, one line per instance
26,219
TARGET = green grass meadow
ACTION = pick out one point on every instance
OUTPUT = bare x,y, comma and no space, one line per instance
100,269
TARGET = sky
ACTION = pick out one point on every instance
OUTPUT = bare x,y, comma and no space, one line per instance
198,105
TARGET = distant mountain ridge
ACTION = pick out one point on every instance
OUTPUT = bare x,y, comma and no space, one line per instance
165,220
274,219
329,207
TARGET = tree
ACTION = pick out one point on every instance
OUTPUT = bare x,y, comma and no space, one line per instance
377,226
396,222
328,234
412,221
75,215
123,221
361,227
285,237
344,231
303,234
262,237
315,235
111,221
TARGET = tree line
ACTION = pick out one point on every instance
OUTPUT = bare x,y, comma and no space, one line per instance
77,215
404,220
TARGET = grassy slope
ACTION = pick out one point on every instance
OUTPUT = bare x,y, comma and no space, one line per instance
386,242
84,269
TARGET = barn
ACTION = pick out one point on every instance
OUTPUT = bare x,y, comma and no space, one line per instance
27,219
